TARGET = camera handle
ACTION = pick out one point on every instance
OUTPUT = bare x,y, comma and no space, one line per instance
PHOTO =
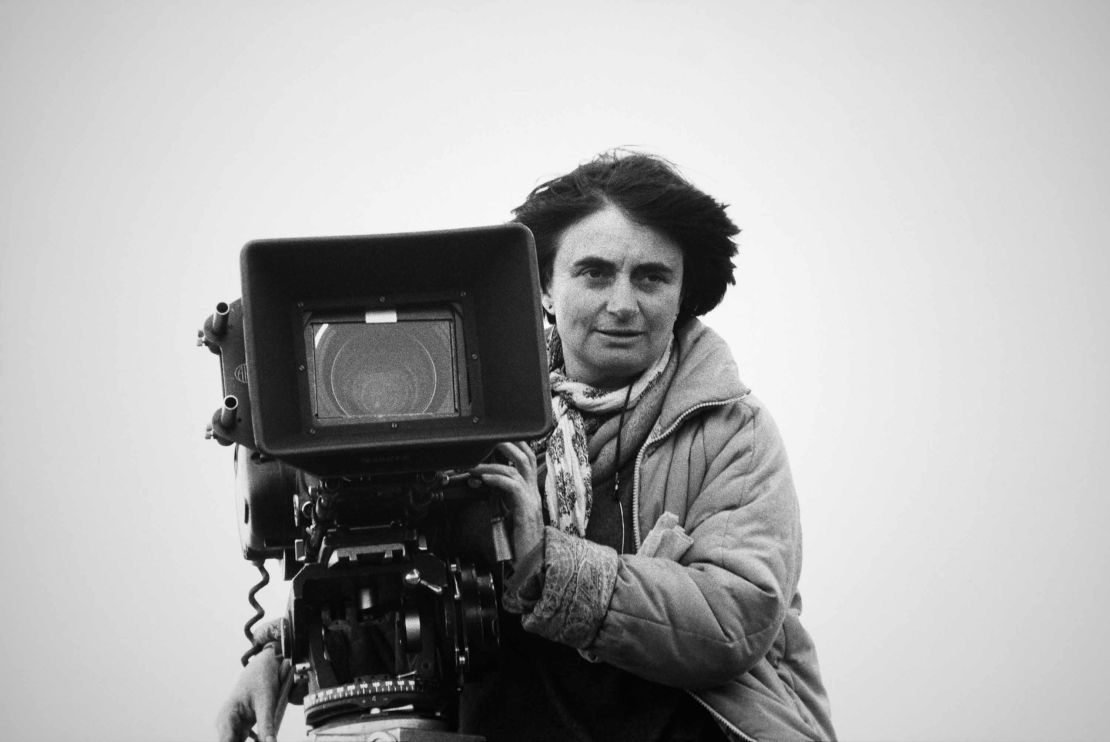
502,547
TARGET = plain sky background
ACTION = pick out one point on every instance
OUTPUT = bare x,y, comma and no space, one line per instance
922,303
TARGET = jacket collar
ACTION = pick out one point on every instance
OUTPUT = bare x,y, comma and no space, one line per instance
706,374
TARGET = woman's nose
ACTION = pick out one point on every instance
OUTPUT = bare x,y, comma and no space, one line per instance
622,298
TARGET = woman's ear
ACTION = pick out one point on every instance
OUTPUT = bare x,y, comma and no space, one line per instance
548,307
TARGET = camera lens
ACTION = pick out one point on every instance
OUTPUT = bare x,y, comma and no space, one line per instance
369,378
384,371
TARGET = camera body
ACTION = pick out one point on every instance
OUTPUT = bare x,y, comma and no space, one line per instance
362,377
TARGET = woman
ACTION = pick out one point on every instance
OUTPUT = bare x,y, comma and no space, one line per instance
656,437
655,531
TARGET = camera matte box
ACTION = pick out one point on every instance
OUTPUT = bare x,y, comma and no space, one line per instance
486,277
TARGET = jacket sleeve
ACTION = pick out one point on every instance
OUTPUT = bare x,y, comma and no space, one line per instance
712,614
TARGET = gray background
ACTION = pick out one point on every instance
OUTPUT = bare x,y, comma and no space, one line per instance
922,303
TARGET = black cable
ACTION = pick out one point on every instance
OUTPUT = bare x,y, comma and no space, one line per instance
617,461
259,612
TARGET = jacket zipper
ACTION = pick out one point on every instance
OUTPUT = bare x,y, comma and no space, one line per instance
720,719
652,440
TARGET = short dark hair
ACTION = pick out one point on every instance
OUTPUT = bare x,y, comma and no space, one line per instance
650,192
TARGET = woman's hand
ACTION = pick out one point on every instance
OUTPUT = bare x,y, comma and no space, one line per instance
255,698
516,480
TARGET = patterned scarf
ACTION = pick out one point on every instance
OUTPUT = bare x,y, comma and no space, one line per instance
578,410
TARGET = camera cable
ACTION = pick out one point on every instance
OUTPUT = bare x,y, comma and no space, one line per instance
259,612
617,462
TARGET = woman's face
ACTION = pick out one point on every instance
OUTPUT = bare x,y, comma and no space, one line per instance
615,289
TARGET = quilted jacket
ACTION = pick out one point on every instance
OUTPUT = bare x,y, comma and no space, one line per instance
709,603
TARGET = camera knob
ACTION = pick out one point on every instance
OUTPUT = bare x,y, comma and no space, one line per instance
414,579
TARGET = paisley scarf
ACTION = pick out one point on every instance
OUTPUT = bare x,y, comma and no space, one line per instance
579,410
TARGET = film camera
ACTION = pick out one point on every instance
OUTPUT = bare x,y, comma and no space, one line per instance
362,377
